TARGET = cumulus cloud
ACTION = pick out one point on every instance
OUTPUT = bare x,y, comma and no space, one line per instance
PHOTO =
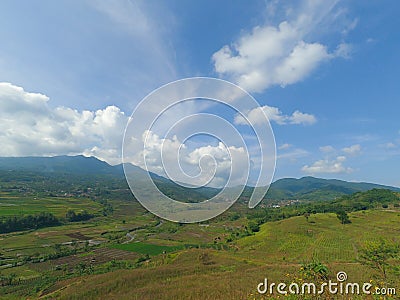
352,150
302,118
205,165
327,166
257,116
30,126
280,55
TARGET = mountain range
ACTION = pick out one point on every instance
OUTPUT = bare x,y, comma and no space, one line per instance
306,188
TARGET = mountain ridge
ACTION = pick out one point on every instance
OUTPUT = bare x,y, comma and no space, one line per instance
304,188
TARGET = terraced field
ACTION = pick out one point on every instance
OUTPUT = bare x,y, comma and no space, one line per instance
277,252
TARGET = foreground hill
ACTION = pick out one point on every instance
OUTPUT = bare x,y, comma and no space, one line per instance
277,251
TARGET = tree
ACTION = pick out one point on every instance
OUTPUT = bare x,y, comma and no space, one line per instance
315,270
70,215
306,215
253,226
377,254
343,217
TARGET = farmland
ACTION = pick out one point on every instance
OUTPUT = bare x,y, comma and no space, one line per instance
149,249
14,205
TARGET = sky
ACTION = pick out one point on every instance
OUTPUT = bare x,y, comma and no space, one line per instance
324,72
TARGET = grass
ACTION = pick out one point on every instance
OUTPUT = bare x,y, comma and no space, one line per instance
150,249
324,238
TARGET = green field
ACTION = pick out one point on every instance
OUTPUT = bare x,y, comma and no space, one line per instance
14,205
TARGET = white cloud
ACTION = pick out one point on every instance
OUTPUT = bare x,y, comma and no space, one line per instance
362,138
327,166
327,149
294,154
303,59
390,145
352,150
280,55
302,118
257,116
351,26
30,126
129,14
284,146
344,50
205,165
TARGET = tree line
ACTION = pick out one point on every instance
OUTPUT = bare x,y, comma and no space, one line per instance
26,222
359,201
40,220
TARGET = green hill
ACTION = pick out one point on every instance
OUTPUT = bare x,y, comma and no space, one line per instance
306,188
59,164
310,188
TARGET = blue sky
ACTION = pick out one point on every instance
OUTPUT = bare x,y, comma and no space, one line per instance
72,72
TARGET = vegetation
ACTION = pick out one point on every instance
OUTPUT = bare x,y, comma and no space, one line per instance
343,217
148,249
380,255
18,223
72,216
315,270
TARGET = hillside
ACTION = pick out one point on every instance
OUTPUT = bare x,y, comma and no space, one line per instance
59,164
277,251
310,188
